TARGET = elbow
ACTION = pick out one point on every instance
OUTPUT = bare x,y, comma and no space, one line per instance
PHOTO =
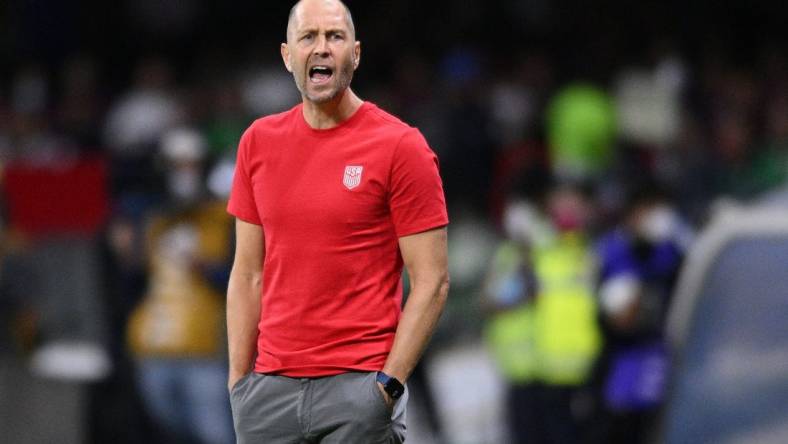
244,284
443,289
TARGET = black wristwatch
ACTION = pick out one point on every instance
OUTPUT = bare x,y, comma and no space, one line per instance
391,385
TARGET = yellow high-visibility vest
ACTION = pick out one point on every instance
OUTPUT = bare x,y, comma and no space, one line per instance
511,340
509,334
566,332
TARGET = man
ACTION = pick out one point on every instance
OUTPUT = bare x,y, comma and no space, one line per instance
331,198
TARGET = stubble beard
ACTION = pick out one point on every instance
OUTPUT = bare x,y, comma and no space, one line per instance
344,75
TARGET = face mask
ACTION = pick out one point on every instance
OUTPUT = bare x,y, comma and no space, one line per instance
658,225
179,244
567,219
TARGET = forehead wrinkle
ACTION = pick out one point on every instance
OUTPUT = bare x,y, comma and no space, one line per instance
291,19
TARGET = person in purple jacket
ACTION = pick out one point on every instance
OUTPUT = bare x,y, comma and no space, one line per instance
639,262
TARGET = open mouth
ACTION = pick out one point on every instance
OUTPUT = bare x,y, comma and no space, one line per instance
320,74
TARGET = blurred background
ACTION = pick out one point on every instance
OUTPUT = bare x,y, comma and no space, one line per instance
616,176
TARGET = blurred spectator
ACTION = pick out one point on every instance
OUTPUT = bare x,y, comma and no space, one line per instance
134,124
567,334
648,102
639,262
512,110
707,118
176,332
581,131
517,98
543,331
508,298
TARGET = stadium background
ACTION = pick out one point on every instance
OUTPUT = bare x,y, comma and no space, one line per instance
707,83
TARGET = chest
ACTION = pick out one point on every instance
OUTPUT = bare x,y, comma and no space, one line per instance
317,185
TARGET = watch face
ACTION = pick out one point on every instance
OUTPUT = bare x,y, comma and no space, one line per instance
392,386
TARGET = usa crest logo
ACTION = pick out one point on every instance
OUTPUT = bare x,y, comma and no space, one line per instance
352,177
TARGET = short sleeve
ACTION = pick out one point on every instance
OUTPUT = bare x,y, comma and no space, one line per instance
242,203
416,199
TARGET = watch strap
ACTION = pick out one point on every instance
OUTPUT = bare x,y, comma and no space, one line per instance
391,385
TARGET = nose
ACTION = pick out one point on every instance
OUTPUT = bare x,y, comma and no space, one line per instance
321,46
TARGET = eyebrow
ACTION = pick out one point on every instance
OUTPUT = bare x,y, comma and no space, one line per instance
332,31
327,31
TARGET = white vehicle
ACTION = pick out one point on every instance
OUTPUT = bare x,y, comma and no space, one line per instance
728,326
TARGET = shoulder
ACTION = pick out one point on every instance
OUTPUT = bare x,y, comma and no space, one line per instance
389,135
389,124
386,119
272,124
612,244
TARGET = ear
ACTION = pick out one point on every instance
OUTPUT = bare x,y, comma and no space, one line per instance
356,55
285,51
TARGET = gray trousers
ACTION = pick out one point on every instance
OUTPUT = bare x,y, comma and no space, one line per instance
346,408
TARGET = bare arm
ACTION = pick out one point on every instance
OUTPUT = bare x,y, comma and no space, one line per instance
425,256
243,298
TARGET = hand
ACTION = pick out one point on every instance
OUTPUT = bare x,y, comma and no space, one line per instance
233,379
389,400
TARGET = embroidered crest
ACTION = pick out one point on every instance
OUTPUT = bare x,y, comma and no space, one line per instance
352,176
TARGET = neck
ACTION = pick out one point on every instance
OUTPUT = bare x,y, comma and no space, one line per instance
332,113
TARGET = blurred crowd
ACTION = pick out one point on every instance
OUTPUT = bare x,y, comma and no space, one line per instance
574,194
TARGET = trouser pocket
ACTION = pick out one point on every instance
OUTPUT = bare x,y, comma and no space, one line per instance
238,386
380,397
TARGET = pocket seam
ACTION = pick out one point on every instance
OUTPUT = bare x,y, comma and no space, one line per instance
239,383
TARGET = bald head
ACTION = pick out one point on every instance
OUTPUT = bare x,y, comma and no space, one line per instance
295,12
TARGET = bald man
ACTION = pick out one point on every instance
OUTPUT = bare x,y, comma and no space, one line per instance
331,199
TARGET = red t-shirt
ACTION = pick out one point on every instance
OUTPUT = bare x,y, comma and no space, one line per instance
332,204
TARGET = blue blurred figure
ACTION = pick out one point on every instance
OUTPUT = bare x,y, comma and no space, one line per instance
639,263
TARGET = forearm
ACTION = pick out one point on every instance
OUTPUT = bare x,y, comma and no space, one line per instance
417,323
243,315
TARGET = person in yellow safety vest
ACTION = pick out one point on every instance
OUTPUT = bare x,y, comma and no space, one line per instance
566,332
508,299
543,331
510,328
